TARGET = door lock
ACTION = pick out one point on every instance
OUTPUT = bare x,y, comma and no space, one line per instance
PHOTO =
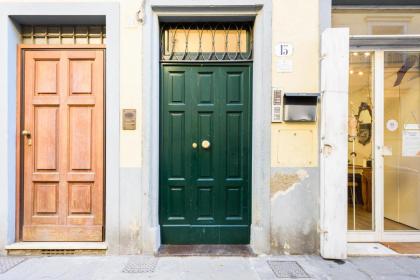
27,133
194,145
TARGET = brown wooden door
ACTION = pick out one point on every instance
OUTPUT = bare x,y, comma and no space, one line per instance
64,152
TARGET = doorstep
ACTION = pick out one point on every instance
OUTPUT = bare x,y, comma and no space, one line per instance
57,248
205,250
369,250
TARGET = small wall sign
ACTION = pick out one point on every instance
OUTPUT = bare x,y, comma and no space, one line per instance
392,125
284,49
411,143
284,66
129,119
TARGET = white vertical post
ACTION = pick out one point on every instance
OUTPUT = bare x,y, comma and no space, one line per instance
378,140
334,136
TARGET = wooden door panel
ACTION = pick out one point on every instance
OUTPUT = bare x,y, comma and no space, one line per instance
205,159
176,151
211,203
80,138
46,72
233,145
81,76
63,166
46,134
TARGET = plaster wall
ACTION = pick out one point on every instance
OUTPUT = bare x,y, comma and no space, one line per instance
294,152
294,183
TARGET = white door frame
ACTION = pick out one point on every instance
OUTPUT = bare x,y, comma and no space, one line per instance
379,234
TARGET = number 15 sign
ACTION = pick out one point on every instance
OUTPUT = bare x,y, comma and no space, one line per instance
284,49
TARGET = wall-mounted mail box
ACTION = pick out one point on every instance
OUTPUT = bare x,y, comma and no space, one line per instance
300,107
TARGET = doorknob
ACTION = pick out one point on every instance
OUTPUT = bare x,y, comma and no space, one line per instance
205,144
194,145
27,133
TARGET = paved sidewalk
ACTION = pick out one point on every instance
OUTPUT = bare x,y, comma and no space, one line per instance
206,268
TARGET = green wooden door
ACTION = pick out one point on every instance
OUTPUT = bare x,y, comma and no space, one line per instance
205,193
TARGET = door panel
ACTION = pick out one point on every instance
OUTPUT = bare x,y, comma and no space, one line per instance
63,154
205,191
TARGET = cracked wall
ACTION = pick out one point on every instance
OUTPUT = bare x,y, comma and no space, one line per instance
294,210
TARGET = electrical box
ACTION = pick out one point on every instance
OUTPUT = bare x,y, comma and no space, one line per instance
276,105
300,107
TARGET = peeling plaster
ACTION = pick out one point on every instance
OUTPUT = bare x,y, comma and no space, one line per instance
282,183
294,215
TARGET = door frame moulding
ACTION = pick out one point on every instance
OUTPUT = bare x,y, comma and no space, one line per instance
21,48
10,38
157,10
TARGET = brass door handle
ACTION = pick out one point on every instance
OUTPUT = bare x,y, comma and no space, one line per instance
194,145
205,144
26,133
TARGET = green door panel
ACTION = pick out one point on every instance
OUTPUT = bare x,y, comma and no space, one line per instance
205,194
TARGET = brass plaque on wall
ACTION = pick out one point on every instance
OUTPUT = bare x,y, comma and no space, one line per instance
129,119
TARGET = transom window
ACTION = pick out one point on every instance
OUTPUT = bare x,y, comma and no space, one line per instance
206,41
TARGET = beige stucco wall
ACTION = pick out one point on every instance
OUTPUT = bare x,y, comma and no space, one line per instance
294,146
297,23
359,22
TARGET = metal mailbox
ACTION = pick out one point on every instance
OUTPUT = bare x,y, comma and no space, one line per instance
300,107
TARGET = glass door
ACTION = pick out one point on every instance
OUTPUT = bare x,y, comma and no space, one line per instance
401,147
384,146
361,123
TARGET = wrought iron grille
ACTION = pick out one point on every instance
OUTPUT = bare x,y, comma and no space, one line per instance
63,34
206,42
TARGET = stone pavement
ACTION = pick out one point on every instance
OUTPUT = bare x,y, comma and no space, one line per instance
206,268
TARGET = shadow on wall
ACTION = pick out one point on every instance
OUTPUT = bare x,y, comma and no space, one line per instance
294,210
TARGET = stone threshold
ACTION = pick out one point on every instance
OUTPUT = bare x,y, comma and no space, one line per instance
375,249
206,250
57,248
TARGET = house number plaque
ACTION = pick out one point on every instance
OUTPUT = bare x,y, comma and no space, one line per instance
129,119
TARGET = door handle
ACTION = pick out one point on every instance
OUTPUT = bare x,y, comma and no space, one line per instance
27,133
194,145
205,144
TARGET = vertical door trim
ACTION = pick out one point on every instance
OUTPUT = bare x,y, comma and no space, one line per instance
21,48
378,138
